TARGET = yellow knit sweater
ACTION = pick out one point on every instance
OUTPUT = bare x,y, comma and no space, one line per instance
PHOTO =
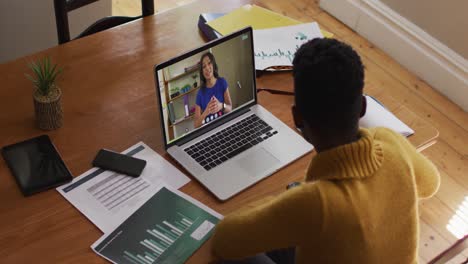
359,204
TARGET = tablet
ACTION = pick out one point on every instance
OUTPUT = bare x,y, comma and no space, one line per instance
36,165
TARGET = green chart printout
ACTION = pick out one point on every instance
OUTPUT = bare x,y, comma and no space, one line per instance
168,228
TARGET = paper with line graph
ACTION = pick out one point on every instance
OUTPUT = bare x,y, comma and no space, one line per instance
276,46
168,228
107,198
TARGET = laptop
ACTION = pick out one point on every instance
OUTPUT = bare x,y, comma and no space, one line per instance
211,121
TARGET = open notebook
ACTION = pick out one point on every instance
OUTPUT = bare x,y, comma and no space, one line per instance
379,116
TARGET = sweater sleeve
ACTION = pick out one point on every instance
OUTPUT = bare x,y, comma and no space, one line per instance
283,222
427,176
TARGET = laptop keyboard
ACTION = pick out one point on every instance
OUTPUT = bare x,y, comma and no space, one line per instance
230,141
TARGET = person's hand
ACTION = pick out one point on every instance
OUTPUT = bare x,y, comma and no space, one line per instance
215,105
207,111
210,107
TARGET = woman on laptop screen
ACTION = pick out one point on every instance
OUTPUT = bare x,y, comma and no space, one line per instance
213,99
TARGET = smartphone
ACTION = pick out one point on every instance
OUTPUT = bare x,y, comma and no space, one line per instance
121,163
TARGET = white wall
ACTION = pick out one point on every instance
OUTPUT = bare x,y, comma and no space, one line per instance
433,61
28,26
446,21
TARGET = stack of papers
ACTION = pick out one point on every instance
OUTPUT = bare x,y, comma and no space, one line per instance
276,47
254,16
378,116
108,198
168,228
144,219
276,37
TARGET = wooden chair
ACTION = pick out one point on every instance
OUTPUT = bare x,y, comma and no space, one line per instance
62,7
451,252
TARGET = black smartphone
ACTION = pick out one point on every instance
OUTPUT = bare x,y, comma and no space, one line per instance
121,163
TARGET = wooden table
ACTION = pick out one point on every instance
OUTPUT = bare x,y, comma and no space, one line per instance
109,101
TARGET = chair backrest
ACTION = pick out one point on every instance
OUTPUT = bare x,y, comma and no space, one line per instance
62,7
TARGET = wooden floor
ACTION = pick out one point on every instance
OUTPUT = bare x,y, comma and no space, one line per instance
450,153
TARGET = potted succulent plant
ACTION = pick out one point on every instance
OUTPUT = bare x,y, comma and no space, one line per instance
47,95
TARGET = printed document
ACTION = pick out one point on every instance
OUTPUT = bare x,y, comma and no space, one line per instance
378,116
277,46
168,228
108,198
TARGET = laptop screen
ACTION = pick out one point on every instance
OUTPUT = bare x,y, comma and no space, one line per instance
206,85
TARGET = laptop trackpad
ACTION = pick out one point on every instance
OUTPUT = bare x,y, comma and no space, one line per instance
257,162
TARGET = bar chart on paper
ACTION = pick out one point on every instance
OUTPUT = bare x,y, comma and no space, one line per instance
159,239
166,229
